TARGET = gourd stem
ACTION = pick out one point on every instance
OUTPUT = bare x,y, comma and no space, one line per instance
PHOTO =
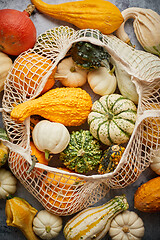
125,229
30,8
112,70
48,229
73,69
34,161
47,152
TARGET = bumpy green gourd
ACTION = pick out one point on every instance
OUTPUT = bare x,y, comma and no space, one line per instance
110,159
83,153
89,56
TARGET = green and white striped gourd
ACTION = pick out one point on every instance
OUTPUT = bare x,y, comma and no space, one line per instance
94,222
112,119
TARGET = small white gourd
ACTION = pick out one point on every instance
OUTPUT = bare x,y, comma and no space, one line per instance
7,183
47,225
102,81
126,226
155,162
69,74
50,137
5,65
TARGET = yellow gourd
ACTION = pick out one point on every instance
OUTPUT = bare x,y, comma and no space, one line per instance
98,14
147,196
20,214
69,106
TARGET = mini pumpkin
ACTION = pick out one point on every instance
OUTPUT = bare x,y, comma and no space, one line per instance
28,71
112,119
7,183
102,81
126,226
50,137
69,74
47,225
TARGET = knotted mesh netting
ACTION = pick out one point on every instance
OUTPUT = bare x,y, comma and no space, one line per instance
61,192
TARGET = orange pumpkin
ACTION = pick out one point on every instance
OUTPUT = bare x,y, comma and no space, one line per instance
151,130
58,191
28,71
21,166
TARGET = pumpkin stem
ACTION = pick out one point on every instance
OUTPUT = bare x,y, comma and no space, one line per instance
34,161
47,152
9,196
48,229
112,70
125,229
73,69
30,8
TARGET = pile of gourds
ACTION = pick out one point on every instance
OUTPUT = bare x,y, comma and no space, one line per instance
111,122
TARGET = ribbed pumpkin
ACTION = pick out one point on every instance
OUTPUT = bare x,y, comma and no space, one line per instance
112,119
110,159
28,71
83,152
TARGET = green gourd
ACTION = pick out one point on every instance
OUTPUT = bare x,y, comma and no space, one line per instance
83,152
110,159
89,56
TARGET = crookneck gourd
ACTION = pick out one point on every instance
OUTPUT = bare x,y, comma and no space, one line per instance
98,14
20,214
112,119
94,222
69,106
83,152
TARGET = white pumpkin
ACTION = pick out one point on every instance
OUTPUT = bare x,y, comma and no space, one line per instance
5,65
7,183
69,74
126,226
155,161
47,225
50,137
102,81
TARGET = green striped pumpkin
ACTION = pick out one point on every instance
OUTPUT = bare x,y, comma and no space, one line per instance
112,119
94,222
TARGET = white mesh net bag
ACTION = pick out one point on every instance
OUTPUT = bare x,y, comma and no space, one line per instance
58,191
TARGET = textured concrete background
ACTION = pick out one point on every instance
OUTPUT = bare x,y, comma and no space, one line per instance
42,23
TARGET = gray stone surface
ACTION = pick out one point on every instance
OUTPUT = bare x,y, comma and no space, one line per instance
42,23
